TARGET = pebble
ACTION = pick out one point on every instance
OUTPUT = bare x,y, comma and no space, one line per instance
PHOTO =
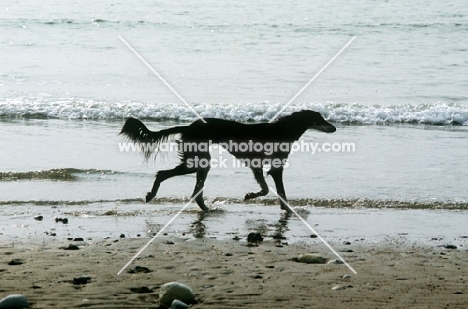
81,280
175,290
38,218
339,287
177,304
139,269
347,243
15,262
63,220
310,259
254,237
14,301
335,262
141,290
346,277
71,247
451,247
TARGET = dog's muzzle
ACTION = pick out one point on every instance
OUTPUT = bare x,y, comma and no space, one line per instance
326,129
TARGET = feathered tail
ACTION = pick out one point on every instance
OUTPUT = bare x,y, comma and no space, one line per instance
149,141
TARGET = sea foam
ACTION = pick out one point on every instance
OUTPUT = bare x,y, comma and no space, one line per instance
73,108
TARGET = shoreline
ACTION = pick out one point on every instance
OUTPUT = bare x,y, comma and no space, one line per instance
107,220
392,273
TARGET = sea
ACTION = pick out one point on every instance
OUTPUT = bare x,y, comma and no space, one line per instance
71,73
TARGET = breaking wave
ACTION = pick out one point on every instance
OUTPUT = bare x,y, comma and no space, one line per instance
72,108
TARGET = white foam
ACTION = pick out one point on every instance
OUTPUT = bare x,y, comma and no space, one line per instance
73,108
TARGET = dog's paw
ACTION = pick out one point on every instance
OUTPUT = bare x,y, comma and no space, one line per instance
286,208
149,196
249,196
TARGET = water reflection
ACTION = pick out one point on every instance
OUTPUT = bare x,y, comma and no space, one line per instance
205,223
281,227
197,227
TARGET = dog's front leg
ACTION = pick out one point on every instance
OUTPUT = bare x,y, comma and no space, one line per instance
201,177
258,174
150,195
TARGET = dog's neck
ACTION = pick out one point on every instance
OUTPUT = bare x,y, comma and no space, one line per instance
290,131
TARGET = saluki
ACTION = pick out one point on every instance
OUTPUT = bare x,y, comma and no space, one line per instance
254,144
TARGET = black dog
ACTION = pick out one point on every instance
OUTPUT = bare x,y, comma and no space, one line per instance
262,144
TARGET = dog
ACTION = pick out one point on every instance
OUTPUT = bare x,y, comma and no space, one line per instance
271,146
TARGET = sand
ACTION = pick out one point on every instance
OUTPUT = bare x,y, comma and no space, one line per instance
230,274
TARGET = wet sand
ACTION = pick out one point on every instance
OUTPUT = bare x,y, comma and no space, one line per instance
391,273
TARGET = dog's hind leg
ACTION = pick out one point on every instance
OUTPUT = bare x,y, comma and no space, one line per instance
277,174
181,169
201,177
258,174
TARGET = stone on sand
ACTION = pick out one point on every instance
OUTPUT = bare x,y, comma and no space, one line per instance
175,290
254,237
337,262
14,301
310,259
177,304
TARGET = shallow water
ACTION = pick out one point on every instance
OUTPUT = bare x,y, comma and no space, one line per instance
229,221
67,83
58,160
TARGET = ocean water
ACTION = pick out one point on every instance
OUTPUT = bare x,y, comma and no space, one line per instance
398,93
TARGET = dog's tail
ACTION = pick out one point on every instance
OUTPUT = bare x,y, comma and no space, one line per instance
148,140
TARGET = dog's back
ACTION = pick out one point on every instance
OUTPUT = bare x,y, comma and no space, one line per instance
220,130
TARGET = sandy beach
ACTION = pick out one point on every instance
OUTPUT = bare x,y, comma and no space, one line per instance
393,273
387,190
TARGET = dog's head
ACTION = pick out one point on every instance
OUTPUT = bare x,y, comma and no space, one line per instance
314,120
